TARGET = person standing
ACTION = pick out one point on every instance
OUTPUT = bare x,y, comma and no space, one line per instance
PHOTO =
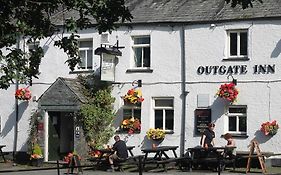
120,152
207,139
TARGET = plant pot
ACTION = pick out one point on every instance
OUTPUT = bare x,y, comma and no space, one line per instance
37,162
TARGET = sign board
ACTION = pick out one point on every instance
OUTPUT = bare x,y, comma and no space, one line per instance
107,67
202,119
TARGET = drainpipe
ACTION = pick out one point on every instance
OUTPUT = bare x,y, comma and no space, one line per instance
183,92
16,110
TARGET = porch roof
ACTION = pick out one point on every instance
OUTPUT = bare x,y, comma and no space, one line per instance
62,95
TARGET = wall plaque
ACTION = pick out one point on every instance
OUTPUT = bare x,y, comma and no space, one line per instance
202,119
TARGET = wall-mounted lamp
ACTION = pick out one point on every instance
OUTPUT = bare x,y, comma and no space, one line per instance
234,81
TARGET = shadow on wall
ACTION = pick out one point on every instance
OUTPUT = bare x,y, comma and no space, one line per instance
219,108
277,50
260,137
11,122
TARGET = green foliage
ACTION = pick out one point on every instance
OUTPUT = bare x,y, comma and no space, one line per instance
34,20
97,115
244,3
32,136
37,149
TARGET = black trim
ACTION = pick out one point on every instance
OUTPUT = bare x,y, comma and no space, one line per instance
81,71
238,136
139,70
236,59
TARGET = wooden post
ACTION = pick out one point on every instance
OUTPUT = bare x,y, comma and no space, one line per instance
255,146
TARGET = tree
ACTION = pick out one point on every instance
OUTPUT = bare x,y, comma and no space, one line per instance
33,20
244,3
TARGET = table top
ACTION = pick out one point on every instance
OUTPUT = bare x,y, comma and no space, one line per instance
160,148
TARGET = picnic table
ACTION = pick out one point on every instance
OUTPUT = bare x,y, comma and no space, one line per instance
216,155
160,154
1,152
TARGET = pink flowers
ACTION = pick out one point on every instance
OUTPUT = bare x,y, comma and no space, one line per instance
23,94
131,125
228,91
269,128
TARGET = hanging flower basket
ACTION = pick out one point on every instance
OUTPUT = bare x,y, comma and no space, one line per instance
131,125
155,134
133,96
228,91
23,94
269,128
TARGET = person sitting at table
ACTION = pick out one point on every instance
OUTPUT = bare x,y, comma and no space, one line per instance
230,144
207,139
120,152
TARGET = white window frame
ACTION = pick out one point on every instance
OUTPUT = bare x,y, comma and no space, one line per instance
164,108
238,32
237,115
86,49
141,46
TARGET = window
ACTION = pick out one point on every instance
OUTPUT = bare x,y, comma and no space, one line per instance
130,111
141,48
237,43
86,55
164,113
237,119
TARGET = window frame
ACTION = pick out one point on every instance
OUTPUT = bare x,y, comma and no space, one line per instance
238,116
238,45
132,107
85,49
164,108
141,46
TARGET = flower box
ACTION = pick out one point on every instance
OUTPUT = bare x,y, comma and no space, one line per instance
228,91
133,96
131,125
23,94
269,128
156,134
37,162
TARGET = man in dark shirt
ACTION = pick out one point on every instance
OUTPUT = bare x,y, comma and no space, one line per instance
207,139
120,152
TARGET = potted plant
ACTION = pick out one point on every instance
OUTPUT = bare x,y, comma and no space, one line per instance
36,156
23,94
131,125
133,96
155,134
269,128
228,91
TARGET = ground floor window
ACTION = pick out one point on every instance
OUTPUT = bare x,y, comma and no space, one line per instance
237,119
164,113
131,118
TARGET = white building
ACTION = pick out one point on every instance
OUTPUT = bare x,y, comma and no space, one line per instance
182,51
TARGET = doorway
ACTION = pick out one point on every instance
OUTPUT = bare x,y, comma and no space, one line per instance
61,134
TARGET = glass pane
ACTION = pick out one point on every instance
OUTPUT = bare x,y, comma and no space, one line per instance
243,43
85,44
164,103
137,113
146,61
89,59
158,119
138,57
233,44
169,119
242,124
127,113
82,56
232,124
237,110
142,40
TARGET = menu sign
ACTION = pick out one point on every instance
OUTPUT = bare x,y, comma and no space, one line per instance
202,119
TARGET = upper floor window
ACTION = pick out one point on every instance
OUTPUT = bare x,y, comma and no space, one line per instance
164,113
141,48
237,43
237,119
86,55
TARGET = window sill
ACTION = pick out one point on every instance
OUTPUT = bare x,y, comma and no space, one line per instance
81,71
238,135
169,132
126,132
236,59
146,70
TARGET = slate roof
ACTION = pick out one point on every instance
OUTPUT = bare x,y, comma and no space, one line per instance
193,11
63,94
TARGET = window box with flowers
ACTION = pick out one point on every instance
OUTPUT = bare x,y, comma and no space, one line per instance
23,94
228,91
155,134
131,125
269,128
133,96
36,157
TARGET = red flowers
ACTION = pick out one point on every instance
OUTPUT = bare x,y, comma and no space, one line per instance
133,96
228,91
269,128
23,94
